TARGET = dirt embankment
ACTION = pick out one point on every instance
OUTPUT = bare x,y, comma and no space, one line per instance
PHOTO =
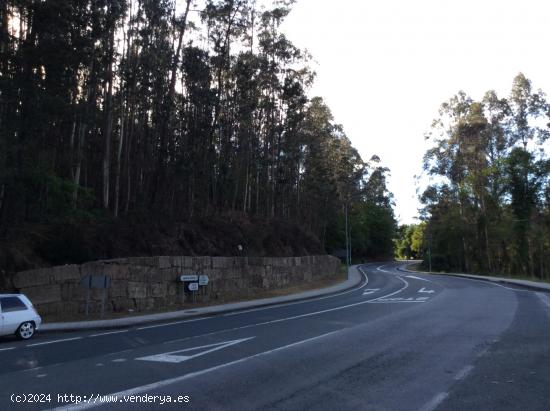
35,246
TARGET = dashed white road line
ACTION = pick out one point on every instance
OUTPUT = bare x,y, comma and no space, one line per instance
434,402
418,278
397,301
108,333
53,342
463,373
173,323
8,348
380,269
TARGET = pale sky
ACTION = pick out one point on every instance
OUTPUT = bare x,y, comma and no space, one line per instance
384,67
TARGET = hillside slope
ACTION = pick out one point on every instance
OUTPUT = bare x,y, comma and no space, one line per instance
34,246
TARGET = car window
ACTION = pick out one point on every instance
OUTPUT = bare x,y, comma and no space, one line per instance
9,304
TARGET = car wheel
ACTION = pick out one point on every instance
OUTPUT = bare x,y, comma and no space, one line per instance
25,330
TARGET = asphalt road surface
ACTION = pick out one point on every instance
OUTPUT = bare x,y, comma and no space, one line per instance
399,341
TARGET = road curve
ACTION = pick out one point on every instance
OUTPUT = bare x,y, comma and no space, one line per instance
399,341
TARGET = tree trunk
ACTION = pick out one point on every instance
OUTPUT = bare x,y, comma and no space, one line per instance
108,124
167,126
119,156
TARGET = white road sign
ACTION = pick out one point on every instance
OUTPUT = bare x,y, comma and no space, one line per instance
188,277
193,286
203,280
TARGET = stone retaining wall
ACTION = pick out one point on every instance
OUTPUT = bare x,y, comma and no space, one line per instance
150,283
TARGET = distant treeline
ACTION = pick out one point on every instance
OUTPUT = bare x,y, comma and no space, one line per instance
109,107
488,207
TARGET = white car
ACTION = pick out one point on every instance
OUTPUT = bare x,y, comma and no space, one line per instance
18,316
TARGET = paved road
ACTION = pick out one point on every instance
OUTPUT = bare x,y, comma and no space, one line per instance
399,341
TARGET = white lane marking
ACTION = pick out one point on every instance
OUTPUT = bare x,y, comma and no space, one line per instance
463,373
544,298
434,402
488,282
120,352
6,349
108,333
299,316
498,285
164,383
172,358
483,352
282,319
53,342
380,269
370,291
395,292
329,309
418,278
119,360
395,301
423,290
303,302
41,375
32,369
173,323
99,364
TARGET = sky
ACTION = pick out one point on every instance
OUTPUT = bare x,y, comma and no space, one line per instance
385,67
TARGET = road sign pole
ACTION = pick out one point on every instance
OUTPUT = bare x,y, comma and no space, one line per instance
347,237
87,301
350,227
430,253
103,297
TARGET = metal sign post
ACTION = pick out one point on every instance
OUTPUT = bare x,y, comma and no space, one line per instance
193,287
87,301
203,282
96,281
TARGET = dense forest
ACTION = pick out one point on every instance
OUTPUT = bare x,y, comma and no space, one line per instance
187,110
488,207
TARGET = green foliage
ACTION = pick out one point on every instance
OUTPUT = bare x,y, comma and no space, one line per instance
373,231
488,212
371,220
411,241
